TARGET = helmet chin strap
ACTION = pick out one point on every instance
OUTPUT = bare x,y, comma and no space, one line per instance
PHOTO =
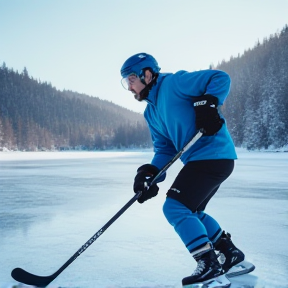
145,91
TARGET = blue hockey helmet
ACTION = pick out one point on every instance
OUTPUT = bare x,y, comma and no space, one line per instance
137,63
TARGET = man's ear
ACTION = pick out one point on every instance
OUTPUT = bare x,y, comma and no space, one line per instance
148,76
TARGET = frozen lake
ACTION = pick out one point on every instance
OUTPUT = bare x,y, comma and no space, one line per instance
53,202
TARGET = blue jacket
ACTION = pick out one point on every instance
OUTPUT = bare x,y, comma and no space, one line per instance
171,118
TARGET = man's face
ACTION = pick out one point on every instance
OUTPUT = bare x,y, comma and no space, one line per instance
135,85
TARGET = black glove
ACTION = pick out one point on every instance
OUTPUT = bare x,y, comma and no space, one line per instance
207,116
145,175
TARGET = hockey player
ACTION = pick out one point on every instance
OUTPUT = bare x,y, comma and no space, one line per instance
178,105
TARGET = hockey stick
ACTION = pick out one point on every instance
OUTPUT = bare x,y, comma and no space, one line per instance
25,277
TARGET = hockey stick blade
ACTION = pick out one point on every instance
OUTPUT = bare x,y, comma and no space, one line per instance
23,276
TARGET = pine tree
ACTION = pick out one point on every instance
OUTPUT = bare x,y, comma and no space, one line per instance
257,107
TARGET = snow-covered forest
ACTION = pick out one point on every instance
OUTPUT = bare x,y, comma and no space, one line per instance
257,107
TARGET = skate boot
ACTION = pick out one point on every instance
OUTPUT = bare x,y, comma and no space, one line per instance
208,268
230,255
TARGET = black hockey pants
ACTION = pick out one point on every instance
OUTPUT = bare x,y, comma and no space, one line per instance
198,181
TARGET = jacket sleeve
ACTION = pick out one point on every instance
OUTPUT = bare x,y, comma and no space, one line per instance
163,148
213,82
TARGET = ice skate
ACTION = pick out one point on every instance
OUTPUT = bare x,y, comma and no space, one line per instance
231,258
208,272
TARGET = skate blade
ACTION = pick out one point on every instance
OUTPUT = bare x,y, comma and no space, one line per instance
218,282
241,268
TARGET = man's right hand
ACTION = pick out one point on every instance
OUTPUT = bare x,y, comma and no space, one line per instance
206,115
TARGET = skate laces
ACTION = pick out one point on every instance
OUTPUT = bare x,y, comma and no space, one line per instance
200,267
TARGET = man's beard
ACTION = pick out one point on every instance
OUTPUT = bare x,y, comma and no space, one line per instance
138,97
143,94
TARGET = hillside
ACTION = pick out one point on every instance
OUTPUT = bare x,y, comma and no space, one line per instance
34,115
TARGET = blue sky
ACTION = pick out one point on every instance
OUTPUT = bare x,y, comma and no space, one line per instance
81,45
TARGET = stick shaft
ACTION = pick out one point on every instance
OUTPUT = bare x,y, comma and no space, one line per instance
177,156
96,235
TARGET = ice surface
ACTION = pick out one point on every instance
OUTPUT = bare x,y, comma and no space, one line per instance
53,202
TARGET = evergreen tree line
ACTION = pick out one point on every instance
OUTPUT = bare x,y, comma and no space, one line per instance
36,116
257,107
